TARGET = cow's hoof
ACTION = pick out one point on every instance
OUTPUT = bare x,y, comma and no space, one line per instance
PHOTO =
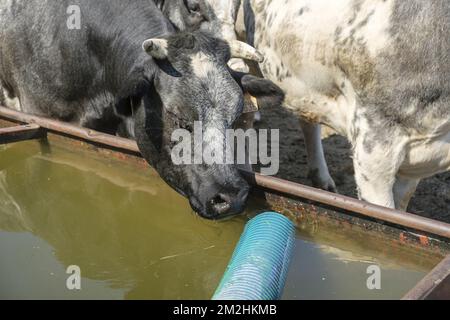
322,182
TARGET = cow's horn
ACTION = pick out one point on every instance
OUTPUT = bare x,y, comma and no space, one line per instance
157,48
242,50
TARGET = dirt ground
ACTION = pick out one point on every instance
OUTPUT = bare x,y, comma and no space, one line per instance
432,198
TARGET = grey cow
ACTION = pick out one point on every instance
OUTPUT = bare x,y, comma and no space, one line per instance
126,60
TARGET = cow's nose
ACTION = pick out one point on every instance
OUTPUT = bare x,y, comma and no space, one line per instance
225,204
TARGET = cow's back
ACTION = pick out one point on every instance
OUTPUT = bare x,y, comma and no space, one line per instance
72,73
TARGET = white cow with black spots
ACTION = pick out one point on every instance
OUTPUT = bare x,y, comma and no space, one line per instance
376,71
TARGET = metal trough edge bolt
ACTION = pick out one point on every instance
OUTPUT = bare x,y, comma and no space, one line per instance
260,262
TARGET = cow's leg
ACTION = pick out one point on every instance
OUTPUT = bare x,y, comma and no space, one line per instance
6,100
318,169
2,97
374,185
376,168
404,189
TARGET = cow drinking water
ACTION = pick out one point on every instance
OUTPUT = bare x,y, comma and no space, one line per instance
127,59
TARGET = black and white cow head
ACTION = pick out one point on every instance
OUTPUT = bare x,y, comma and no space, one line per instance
192,83
215,16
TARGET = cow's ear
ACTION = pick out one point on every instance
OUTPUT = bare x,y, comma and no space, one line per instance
265,91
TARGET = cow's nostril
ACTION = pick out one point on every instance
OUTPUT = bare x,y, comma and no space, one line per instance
221,203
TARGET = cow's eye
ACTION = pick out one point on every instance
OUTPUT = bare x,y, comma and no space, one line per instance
193,6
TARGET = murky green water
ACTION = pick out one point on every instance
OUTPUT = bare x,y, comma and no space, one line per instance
134,238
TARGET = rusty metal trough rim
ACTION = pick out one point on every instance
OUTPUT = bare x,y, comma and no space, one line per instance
396,217
430,282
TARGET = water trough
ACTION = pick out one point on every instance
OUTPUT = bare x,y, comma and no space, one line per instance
303,205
